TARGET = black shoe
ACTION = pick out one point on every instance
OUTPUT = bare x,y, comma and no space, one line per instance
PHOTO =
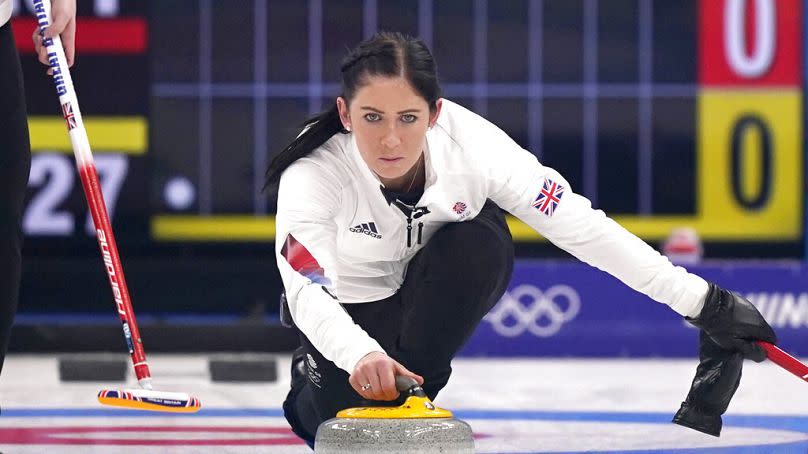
290,409
286,315
298,365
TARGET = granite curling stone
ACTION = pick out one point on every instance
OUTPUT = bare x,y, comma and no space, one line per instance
417,426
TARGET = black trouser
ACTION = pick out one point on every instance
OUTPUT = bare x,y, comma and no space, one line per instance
15,162
450,285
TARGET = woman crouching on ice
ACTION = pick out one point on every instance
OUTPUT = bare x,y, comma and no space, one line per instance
392,244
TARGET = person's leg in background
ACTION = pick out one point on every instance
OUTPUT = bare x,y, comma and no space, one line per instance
15,163
450,285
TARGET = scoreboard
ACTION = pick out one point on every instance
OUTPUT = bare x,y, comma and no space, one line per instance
665,114
750,137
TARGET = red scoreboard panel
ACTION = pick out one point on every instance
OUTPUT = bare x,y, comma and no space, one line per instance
750,43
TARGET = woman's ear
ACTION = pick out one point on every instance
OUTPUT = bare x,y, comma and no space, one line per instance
342,108
433,116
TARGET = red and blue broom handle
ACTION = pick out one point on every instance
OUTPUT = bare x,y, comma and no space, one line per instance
92,191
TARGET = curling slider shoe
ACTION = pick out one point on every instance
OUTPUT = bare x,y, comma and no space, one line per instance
417,426
143,399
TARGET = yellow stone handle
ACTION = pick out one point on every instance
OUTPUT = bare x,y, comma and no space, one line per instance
417,405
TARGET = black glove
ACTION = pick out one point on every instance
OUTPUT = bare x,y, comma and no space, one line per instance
734,323
717,378
730,325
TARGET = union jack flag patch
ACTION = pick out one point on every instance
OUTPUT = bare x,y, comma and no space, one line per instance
70,117
549,197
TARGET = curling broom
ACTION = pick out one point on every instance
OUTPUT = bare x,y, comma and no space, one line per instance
784,360
144,398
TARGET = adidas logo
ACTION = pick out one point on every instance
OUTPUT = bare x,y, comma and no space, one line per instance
367,229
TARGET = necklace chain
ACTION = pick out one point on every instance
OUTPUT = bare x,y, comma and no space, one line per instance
415,175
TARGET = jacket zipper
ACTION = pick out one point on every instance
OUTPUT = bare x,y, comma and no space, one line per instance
413,213
409,231
416,213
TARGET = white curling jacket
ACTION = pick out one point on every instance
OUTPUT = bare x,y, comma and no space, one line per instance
339,241
5,11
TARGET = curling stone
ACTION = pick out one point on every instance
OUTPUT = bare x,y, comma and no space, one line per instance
417,426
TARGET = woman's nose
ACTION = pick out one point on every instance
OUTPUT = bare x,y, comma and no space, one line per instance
391,139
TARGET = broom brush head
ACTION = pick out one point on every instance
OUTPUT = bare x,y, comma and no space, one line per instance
142,399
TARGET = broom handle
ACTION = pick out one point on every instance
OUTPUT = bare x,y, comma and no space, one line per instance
92,192
784,360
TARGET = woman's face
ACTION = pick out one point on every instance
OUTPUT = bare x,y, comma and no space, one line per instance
389,120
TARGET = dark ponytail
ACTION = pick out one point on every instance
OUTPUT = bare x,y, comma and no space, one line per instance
316,131
386,54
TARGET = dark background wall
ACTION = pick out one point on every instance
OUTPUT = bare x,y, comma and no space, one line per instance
207,91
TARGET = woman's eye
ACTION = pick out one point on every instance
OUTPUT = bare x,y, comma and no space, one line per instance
408,118
372,117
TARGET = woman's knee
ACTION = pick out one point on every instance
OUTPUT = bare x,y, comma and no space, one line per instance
480,244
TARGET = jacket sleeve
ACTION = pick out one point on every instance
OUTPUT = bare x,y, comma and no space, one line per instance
543,199
305,249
